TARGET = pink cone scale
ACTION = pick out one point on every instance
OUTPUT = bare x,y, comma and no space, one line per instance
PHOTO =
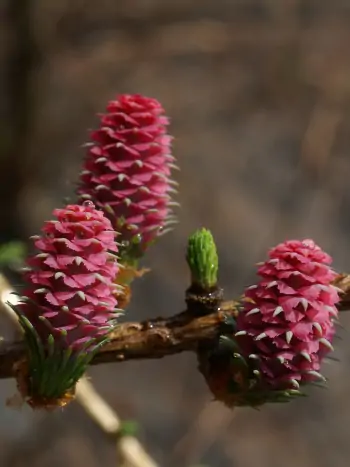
127,170
287,321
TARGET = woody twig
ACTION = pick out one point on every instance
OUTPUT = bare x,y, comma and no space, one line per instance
157,338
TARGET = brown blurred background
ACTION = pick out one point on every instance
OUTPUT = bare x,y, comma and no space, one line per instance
259,96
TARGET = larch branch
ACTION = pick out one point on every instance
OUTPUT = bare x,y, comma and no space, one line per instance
156,338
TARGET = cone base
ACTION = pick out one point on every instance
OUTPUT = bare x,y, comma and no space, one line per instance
36,401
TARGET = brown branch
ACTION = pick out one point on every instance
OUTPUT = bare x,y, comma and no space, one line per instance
149,339
156,338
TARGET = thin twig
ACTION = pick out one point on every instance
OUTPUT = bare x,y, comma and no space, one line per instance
130,451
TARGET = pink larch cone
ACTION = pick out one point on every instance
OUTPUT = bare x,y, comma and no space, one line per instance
70,281
275,341
69,305
288,317
127,171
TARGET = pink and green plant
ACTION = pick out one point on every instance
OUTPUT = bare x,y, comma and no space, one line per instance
284,329
127,172
267,345
69,305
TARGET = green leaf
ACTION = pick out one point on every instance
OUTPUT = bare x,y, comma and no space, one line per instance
53,368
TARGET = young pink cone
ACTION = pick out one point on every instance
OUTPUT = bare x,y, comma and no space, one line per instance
69,305
288,317
127,171
282,332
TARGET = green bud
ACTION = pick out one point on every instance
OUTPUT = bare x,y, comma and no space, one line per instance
202,259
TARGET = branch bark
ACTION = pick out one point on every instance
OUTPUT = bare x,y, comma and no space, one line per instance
156,338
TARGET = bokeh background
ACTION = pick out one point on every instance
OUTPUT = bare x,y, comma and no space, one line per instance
259,96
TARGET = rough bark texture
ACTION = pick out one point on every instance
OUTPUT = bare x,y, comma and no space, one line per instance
155,338
134,341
